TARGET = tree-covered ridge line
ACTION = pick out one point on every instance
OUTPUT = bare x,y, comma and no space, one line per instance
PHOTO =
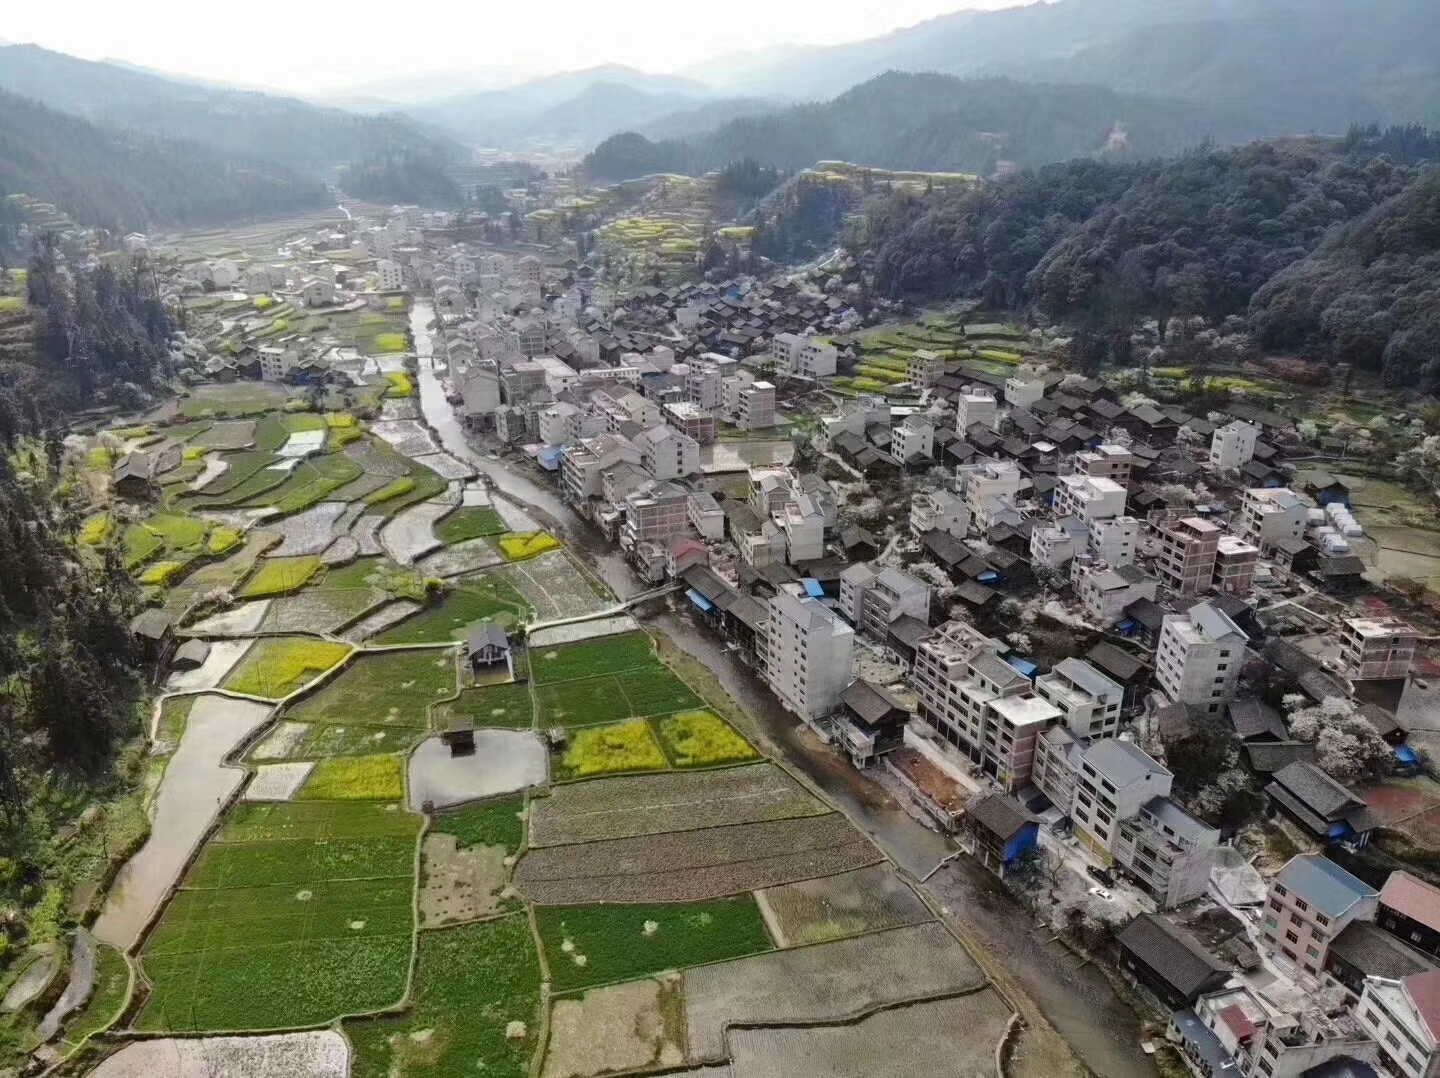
123,181
932,122
1328,248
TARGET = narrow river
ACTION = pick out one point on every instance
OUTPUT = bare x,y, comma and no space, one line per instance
1101,1028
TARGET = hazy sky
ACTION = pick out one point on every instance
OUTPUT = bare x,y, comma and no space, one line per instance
307,47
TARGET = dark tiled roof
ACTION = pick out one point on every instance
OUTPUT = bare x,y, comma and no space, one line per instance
1113,661
1376,953
1256,719
870,702
1000,815
1267,757
1172,953
1318,791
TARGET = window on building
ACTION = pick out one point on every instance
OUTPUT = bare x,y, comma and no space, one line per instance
1292,937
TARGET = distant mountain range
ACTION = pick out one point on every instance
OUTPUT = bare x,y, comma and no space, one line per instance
288,132
123,181
1287,65
932,122
582,106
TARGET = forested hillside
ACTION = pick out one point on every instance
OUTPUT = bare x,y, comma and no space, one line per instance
73,686
256,126
94,337
931,122
408,176
123,181
1330,247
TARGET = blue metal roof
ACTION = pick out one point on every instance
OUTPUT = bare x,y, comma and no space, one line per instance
988,576
1025,666
700,600
1406,755
1324,884
813,588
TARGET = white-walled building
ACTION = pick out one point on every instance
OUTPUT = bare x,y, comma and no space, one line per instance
668,454
1199,656
873,600
976,405
932,509
1377,647
995,479
1404,1018
1022,391
914,437
807,357
1114,540
806,654
1089,498
391,274
1269,515
1053,545
1089,702
1233,445
803,523
1105,591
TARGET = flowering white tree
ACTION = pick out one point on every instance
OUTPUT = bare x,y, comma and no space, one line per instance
1347,746
1020,642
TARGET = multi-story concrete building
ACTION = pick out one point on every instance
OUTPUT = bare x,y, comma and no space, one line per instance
804,526
1104,592
1377,647
1311,901
706,516
994,480
391,274
806,653
1233,445
770,489
806,357
634,408
704,386
691,420
1113,462
1054,545
1270,515
1116,778
1167,851
755,406
1114,540
979,703
654,513
1188,547
1089,702
976,405
1088,497
1022,391
1199,656
587,459
1235,565
913,438
562,423
873,600
932,509
925,366
667,454
1238,1032
1117,797
1404,1018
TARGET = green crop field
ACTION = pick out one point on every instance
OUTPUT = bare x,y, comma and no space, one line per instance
112,981
507,706
589,702
607,655
648,690
315,821
471,522
495,823
485,598
298,863
476,1009
389,688
590,945
140,545
296,914
278,665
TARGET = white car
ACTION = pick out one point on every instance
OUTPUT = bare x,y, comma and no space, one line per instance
1100,892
